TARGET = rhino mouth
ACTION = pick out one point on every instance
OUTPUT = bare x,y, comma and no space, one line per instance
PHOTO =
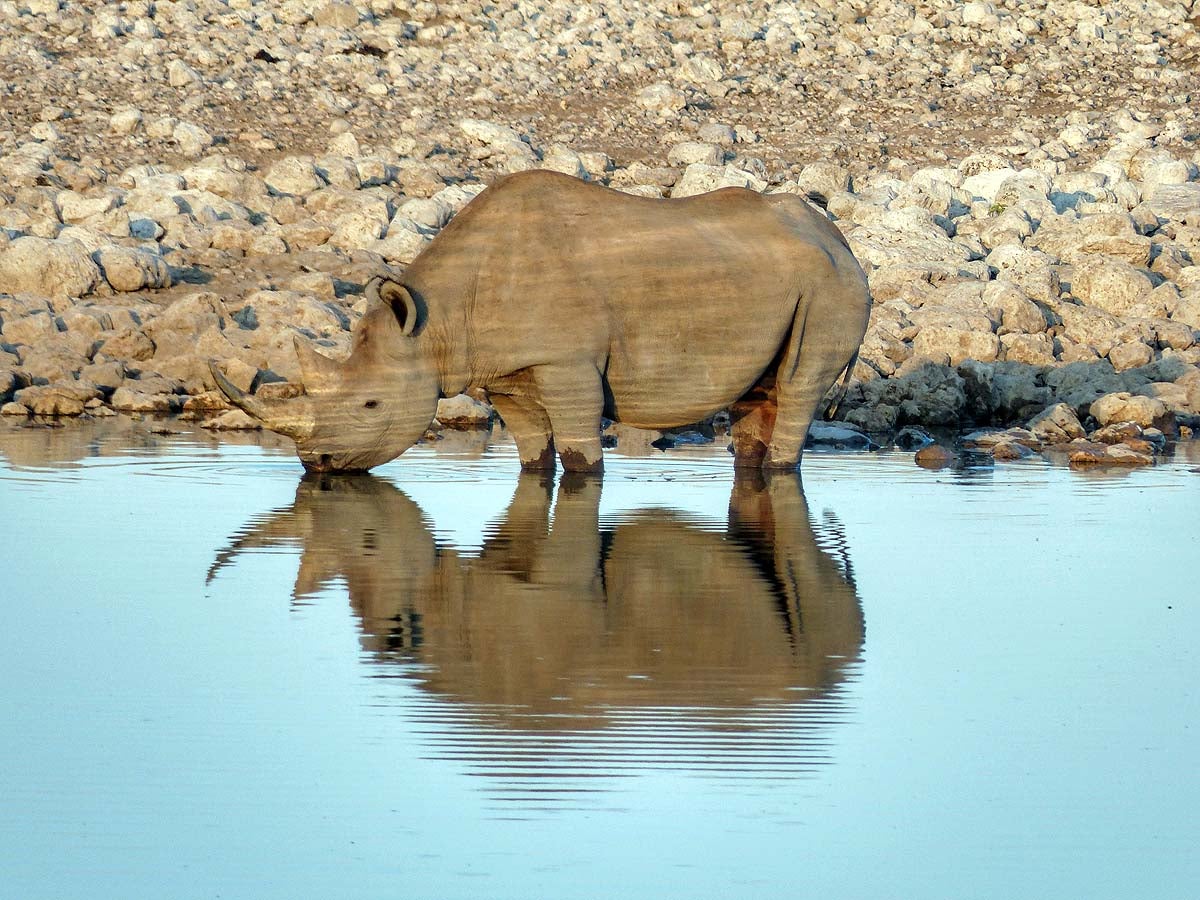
325,464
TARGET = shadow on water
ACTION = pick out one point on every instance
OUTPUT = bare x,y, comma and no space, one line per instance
572,647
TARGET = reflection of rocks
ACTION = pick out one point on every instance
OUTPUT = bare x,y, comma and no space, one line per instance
33,445
563,624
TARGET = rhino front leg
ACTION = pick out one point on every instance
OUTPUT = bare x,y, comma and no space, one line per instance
530,428
573,397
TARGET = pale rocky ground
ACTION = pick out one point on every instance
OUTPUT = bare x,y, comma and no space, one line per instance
195,180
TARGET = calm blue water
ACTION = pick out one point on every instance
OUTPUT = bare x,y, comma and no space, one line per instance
219,680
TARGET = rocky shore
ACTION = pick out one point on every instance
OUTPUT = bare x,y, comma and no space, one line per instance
189,181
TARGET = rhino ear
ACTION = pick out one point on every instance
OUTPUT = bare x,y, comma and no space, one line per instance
397,298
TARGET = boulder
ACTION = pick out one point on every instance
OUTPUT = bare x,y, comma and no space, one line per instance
1115,287
1071,239
946,343
1125,407
31,330
687,153
130,400
1080,384
699,178
839,436
127,269
1056,425
1130,355
661,98
294,175
463,412
232,420
64,398
49,268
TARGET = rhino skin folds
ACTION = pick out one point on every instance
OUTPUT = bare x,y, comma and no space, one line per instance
567,301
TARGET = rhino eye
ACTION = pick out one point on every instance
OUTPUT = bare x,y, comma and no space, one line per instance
371,404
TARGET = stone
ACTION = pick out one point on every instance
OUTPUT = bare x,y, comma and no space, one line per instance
822,180
240,374
1019,314
205,402
74,207
192,139
985,185
661,98
266,315
58,399
1130,355
336,15
129,400
1116,433
128,344
894,241
687,153
428,212
8,384
941,342
128,269
1010,450
125,121
1056,425
358,229
294,175
912,438
699,178
1105,234
463,412
1125,407
181,328
934,456
491,133
180,74
31,330
1175,202
1031,349
232,420
400,245
1092,327
1116,455
1115,287
1032,271
1080,384
49,268
840,436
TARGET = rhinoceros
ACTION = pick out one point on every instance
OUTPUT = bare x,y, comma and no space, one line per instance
567,302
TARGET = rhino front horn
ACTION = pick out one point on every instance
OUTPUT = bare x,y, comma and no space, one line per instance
286,417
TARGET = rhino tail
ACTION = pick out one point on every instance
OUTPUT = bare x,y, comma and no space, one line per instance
839,392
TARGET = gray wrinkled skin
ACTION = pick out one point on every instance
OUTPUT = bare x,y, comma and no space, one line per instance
568,301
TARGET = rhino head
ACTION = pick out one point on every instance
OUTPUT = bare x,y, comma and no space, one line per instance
363,412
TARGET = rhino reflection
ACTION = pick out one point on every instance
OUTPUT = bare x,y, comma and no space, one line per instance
562,626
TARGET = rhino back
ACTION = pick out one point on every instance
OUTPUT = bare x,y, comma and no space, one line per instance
683,304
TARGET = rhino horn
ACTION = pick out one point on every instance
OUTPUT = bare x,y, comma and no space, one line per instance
292,418
320,373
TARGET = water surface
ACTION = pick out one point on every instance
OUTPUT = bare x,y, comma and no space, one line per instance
222,679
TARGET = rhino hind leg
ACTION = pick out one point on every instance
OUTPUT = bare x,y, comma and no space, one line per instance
825,337
753,418
530,428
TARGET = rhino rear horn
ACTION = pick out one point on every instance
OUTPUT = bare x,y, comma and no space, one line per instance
319,373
